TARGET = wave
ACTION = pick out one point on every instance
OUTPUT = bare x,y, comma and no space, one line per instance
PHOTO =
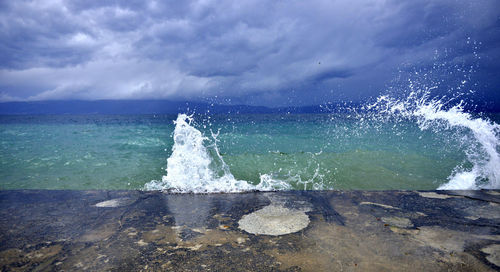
480,137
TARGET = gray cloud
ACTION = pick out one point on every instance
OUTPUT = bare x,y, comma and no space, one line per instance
259,52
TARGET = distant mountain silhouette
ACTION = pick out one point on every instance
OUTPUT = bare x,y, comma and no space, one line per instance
138,107
166,107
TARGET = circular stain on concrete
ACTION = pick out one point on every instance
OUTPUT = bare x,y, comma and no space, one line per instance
274,220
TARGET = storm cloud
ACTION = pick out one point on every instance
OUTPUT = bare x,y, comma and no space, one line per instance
255,52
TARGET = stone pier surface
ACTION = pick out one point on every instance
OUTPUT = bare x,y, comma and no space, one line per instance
257,231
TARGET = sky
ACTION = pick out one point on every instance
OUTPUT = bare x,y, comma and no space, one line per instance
272,53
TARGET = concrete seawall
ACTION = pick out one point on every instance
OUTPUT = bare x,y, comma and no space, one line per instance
272,231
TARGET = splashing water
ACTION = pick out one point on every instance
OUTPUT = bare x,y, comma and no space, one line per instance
196,165
193,167
482,149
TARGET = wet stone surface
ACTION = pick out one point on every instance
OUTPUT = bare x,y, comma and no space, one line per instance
276,231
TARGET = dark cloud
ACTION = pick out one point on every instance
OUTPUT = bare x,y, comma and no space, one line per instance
332,74
258,52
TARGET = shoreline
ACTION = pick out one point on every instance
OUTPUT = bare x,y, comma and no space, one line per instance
433,230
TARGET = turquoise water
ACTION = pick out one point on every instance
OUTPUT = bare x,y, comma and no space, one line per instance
311,151
81,152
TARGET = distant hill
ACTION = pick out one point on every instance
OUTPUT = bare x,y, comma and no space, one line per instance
138,107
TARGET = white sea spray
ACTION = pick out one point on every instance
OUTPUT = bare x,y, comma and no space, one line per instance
193,168
482,149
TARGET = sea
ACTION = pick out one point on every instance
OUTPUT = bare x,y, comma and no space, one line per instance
418,142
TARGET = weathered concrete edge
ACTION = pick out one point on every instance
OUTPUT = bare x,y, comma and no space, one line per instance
434,208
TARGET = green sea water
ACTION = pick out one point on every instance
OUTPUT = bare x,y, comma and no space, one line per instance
310,151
